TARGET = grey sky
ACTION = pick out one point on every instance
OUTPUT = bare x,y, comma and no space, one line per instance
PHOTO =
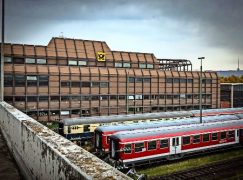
168,28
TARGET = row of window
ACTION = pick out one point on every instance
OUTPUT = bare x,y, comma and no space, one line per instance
22,80
91,97
128,65
139,80
77,63
84,84
17,60
164,143
183,80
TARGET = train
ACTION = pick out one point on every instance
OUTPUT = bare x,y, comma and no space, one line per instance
79,129
103,133
133,148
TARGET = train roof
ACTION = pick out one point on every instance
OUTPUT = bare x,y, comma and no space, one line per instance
121,118
165,123
137,135
218,110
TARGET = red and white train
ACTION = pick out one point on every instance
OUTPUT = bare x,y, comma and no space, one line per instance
140,146
103,133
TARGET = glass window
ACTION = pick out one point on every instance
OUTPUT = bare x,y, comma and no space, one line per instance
127,148
85,84
85,98
152,145
139,80
139,147
8,80
113,97
147,80
82,63
8,98
176,80
72,63
222,135
55,98
189,80
103,97
19,98
196,139
43,80
182,96
75,111
19,80
182,80
104,84
95,84
65,98
18,60
214,136
205,137
130,97
43,98
142,65
32,98
138,96
65,112
95,98
75,84
131,79
41,61
7,59
169,80
118,64
126,65
150,66
29,61
122,97
164,143
75,98
65,83
231,134
186,140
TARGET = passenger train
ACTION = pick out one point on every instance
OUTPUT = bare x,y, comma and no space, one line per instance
78,129
132,148
103,133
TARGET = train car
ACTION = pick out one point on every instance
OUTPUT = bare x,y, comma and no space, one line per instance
78,129
103,133
152,145
214,112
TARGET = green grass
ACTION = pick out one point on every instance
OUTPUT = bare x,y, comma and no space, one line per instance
190,163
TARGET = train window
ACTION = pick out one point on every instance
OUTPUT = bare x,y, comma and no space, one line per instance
86,128
69,129
205,137
108,139
196,139
231,134
163,143
214,136
152,145
186,140
222,135
139,147
128,148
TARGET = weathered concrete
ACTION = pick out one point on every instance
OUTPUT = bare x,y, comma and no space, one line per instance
43,154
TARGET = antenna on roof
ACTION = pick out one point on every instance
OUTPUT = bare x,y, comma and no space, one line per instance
61,35
238,69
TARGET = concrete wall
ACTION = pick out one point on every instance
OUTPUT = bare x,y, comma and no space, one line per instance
43,154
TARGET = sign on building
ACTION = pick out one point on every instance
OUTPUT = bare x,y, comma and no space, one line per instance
100,56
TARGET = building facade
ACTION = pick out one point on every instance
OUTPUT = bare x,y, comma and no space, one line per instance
231,95
72,78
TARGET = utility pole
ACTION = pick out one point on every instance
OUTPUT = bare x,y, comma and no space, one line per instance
2,56
200,90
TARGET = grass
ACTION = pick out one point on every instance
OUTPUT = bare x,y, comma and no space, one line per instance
191,163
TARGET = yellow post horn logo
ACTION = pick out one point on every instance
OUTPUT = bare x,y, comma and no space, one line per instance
100,56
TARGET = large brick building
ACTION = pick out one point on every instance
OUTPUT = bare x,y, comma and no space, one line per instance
72,78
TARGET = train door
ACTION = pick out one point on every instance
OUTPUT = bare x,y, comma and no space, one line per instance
241,136
175,145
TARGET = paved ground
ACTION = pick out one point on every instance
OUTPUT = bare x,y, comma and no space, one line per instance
8,168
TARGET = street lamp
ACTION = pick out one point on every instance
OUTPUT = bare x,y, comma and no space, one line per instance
2,57
200,90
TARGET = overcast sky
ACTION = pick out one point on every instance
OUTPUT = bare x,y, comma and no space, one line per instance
185,29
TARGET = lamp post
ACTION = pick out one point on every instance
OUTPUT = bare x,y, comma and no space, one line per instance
200,89
2,56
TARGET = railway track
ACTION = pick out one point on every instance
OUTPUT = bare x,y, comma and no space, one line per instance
218,170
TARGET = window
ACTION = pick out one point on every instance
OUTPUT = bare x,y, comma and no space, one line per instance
205,137
75,98
72,63
7,59
19,98
190,81
108,139
76,111
85,98
8,98
41,61
142,65
8,80
161,96
196,139
118,64
214,136
175,141
222,135
65,112
182,96
139,147
55,98
86,128
86,84
169,96
65,98
65,83
169,80
131,79
147,80
31,80
150,66
152,145
95,98
127,148
139,80
18,60
126,65
186,140
29,61
104,84
43,98
131,97
176,80
95,84
43,80
231,134
138,96
163,143
103,97
75,84
82,63
122,97
32,98
19,80
182,80
113,97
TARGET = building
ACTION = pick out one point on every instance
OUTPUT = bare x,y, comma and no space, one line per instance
231,95
72,78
